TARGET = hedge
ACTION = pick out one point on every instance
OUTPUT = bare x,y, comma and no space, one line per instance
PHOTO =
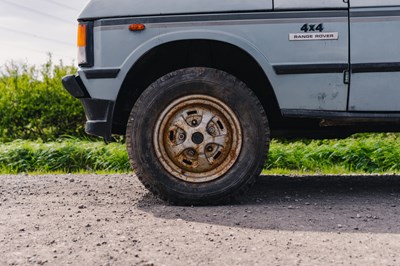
35,106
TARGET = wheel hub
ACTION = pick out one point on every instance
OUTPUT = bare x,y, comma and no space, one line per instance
198,138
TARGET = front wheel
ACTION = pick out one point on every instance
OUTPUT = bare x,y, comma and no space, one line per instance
197,136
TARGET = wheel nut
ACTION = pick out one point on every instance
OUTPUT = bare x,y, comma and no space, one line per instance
191,152
182,136
210,149
211,130
194,122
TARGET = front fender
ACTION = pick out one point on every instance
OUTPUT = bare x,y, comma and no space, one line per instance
220,36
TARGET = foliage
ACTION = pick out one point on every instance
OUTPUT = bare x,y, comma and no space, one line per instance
68,156
368,153
364,153
34,105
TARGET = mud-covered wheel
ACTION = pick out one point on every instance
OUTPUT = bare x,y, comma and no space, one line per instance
197,136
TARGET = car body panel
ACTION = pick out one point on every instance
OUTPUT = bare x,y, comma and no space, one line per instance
375,57
309,4
374,3
265,36
107,8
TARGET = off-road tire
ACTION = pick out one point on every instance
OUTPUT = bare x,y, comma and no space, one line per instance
198,83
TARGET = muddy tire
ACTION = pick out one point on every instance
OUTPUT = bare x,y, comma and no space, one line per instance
197,136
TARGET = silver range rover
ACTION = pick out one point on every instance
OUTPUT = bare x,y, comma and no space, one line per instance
200,87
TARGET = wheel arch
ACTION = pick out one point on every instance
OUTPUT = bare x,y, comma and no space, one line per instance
215,50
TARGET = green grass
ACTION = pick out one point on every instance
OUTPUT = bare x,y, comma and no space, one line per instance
68,156
360,154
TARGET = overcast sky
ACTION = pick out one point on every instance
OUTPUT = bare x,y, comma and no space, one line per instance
30,29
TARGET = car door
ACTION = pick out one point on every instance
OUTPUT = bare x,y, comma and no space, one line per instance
312,55
375,55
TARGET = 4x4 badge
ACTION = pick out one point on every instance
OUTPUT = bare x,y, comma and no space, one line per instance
312,27
313,32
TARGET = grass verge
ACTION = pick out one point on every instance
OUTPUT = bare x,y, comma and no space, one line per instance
68,156
360,154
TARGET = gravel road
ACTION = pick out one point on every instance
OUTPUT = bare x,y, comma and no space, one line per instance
113,220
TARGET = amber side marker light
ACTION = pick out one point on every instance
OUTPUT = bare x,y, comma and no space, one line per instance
81,35
137,27
82,42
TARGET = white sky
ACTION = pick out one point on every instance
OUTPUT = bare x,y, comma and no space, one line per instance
30,29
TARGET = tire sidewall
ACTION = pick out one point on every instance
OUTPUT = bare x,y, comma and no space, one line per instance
191,81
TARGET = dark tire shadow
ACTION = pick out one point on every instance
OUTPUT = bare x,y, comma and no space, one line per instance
302,203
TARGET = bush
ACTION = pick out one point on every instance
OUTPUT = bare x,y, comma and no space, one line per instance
34,105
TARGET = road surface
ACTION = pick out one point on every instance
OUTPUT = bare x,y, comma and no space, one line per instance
283,220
